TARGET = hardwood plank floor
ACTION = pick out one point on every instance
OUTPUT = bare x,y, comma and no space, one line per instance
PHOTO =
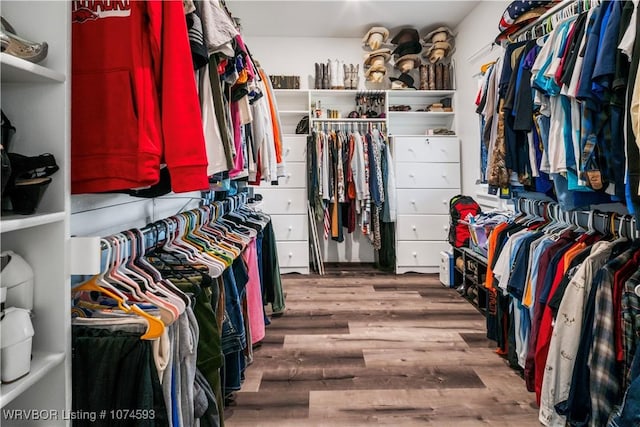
355,349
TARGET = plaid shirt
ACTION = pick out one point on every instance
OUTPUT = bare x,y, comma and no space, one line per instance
630,324
605,387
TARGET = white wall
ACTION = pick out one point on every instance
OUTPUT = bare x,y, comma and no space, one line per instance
474,34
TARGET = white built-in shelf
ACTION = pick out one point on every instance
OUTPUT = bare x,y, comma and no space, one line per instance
426,136
293,112
16,70
346,119
421,113
20,222
41,365
420,93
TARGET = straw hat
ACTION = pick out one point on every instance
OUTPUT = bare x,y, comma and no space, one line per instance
375,37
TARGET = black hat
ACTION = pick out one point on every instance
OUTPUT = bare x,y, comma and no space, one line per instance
404,78
408,48
406,35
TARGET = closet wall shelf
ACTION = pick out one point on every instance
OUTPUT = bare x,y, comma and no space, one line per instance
16,70
41,365
346,119
420,93
420,113
20,222
293,112
396,135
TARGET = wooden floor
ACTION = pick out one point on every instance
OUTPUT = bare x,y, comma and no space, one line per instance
357,350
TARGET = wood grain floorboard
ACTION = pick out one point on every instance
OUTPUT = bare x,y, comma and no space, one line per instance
350,378
359,349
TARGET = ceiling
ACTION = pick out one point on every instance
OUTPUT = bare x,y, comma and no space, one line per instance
346,18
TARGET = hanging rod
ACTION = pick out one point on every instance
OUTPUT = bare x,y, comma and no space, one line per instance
555,9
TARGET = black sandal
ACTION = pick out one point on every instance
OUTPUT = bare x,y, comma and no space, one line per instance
30,177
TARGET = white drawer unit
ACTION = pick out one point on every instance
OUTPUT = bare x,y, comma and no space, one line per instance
423,227
294,148
293,254
295,177
419,256
290,227
281,202
427,149
428,175
419,201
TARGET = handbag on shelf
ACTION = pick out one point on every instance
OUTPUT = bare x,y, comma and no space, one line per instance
303,126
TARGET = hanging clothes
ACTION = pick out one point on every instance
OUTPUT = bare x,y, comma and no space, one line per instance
159,123
351,182
197,290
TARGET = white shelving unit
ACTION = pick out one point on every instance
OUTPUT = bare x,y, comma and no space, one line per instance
287,202
415,122
427,175
36,98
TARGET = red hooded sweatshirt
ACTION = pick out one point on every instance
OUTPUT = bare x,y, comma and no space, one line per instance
134,100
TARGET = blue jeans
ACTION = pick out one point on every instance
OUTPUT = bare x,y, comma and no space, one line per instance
233,333
629,413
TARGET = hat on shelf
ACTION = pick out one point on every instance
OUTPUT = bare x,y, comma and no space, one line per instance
406,35
408,48
375,37
440,34
438,51
375,74
403,81
518,14
378,57
407,63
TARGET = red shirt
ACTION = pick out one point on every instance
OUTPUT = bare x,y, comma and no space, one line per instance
134,103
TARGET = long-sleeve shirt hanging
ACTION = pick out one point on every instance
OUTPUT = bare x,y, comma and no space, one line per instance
126,122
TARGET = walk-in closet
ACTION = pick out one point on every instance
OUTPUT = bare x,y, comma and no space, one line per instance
311,213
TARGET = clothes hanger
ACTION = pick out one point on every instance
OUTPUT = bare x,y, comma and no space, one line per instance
153,288
157,279
168,312
155,327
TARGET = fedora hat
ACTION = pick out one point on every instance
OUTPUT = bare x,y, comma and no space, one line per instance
408,48
403,81
440,34
375,37
406,35
379,56
407,63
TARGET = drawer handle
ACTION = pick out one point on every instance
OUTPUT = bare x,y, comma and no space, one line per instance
427,141
290,227
411,175
444,175
290,254
288,175
288,150
444,202
415,254
414,227
410,149
288,202
413,202
446,227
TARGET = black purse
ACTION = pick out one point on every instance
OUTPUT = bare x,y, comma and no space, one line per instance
7,133
303,126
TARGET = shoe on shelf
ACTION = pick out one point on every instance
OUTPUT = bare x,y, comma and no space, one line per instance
30,177
15,45
16,275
